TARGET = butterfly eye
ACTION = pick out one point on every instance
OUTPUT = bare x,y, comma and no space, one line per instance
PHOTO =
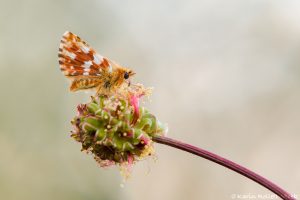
126,75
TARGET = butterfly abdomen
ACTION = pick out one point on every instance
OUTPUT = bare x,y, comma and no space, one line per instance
84,83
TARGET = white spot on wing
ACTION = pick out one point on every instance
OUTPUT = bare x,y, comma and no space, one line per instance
72,67
71,54
110,69
66,33
97,59
87,64
85,49
86,73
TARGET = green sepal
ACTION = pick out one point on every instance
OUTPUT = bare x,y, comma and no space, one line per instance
93,107
94,122
100,134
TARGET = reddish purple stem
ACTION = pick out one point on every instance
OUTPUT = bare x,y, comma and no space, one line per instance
226,163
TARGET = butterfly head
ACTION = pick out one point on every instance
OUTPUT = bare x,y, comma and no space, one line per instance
128,74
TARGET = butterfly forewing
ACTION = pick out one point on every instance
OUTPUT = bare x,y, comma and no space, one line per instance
77,58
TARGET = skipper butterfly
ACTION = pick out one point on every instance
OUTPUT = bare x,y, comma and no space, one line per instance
89,70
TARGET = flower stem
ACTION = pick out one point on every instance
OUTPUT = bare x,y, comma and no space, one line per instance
226,163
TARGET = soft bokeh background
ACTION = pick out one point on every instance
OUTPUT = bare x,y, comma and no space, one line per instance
226,76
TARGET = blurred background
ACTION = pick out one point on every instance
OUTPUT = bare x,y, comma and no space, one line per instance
226,76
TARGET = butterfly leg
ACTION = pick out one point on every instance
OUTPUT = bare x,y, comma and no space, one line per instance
105,88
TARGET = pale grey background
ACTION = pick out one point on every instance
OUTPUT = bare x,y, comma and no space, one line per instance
226,76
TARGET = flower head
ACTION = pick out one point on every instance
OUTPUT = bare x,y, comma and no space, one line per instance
116,130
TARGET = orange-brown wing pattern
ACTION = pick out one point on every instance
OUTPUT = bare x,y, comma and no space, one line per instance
76,57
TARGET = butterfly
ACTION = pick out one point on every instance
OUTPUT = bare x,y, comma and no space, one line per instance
89,70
